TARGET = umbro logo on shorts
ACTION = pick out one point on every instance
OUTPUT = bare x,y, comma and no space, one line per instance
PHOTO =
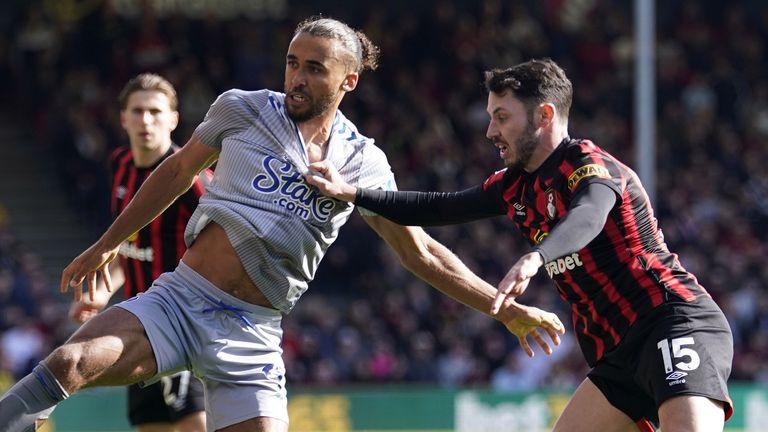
676,377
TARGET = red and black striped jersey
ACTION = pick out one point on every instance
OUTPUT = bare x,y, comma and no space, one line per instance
621,274
158,247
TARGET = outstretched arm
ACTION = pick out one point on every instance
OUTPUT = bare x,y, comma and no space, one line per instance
170,179
439,267
407,207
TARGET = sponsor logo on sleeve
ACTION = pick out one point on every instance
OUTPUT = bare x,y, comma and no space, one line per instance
591,170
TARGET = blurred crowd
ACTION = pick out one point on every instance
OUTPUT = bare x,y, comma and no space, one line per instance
365,319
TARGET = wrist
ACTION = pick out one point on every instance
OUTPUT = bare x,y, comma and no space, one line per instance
350,194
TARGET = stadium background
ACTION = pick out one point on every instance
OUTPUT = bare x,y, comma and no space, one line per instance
366,325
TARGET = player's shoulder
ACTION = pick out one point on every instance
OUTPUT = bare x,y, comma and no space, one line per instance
345,131
495,178
239,100
576,147
120,153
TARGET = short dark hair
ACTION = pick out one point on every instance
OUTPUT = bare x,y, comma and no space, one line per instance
534,82
363,54
148,82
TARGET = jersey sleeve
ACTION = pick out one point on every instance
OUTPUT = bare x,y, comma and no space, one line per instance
376,174
229,113
586,164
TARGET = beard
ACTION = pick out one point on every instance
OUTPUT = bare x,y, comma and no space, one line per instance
316,107
525,145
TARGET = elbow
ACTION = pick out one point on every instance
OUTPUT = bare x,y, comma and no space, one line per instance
416,256
413,260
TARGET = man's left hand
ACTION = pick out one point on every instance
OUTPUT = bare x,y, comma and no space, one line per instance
524,321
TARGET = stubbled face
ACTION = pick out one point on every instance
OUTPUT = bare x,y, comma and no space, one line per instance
314,75
149,120
511,130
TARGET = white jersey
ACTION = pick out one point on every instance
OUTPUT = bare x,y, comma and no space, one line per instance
279,225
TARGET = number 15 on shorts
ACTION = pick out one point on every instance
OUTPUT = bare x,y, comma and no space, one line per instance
677,349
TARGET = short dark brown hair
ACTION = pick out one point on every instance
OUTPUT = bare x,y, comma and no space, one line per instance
534,82
363,54
148,82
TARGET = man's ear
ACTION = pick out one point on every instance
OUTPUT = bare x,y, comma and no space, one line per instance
350,81
174,120
546,114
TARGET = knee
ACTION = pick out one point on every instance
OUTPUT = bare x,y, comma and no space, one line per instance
63,363
78,363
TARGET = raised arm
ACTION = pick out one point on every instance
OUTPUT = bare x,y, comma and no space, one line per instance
170,179
439,267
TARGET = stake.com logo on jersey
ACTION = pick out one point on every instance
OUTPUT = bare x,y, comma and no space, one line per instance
295,195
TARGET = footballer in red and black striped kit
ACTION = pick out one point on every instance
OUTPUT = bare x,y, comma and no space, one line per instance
149,114
158,247
622,273
660,348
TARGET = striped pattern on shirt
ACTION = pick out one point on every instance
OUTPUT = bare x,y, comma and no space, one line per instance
158,247
624,272
278,224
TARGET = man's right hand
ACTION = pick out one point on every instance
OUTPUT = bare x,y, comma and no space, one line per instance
86,267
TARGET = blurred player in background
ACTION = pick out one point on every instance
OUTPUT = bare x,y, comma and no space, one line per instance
254,244
659,347
148,113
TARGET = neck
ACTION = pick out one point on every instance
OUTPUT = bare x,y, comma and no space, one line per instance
144,158
318,130
549,139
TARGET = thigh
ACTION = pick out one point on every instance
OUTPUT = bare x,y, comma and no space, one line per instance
589,411
109,349
692,414
259,424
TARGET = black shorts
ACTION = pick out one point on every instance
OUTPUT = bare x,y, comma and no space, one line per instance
677,349
166,401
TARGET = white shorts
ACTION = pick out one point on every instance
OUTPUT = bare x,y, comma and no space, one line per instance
232,346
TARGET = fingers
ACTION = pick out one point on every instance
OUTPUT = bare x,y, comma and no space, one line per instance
91,285
553,335
320,166
78,291
541,342
524,345
107,278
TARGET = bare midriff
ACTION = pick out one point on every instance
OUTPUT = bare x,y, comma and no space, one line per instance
214,258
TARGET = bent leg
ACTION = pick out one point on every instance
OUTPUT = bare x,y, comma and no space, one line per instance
110,349
692,414
589,411
194,422
258,424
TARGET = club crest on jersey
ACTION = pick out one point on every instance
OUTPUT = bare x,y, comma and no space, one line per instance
519,209
551,207
293,193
